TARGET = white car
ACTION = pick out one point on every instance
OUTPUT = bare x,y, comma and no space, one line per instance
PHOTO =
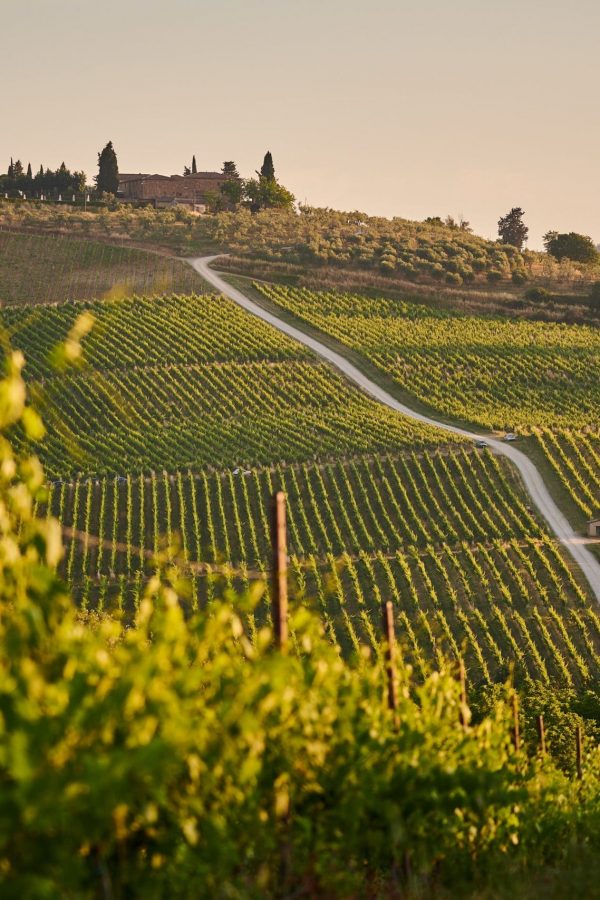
510,436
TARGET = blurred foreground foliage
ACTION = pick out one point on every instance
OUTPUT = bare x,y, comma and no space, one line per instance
175,757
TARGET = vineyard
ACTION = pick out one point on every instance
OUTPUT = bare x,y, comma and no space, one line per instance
187,413
48,268
447,536
175,381
529,377
575,459
155,687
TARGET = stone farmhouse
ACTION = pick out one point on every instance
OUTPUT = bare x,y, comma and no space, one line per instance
169,190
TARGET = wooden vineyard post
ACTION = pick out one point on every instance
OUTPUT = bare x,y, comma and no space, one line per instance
390,658
516,734
541,735
463,693
579,751
279,593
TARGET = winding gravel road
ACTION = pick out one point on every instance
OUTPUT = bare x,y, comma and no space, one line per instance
532,479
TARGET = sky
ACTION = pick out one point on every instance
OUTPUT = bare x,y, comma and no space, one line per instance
394,108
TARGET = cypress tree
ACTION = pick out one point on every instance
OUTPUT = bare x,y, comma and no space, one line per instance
29,172
107,179
194,169
267,169
11,169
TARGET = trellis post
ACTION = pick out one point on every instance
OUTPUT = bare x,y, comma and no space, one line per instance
390,658
279,589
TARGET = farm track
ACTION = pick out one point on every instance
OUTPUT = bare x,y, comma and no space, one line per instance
532,479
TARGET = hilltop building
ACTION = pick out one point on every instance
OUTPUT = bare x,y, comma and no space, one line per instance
169,190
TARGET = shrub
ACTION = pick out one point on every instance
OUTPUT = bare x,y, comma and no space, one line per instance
595,296
537,295
494,275
519,276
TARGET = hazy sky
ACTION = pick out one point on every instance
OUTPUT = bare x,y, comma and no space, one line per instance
391,107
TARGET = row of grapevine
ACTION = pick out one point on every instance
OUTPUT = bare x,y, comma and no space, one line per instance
496,606
149,331
374,503
51,268
177,382
446,536
215,415
575,459
500,373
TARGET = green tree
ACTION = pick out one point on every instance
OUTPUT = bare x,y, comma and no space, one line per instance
511,228
194,167
577,247
107,179
266,193
233,189
29,172
62,178
79,179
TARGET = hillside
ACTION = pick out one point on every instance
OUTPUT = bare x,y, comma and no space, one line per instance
171,382
48,268
165,442
337,249
537,379
185,416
